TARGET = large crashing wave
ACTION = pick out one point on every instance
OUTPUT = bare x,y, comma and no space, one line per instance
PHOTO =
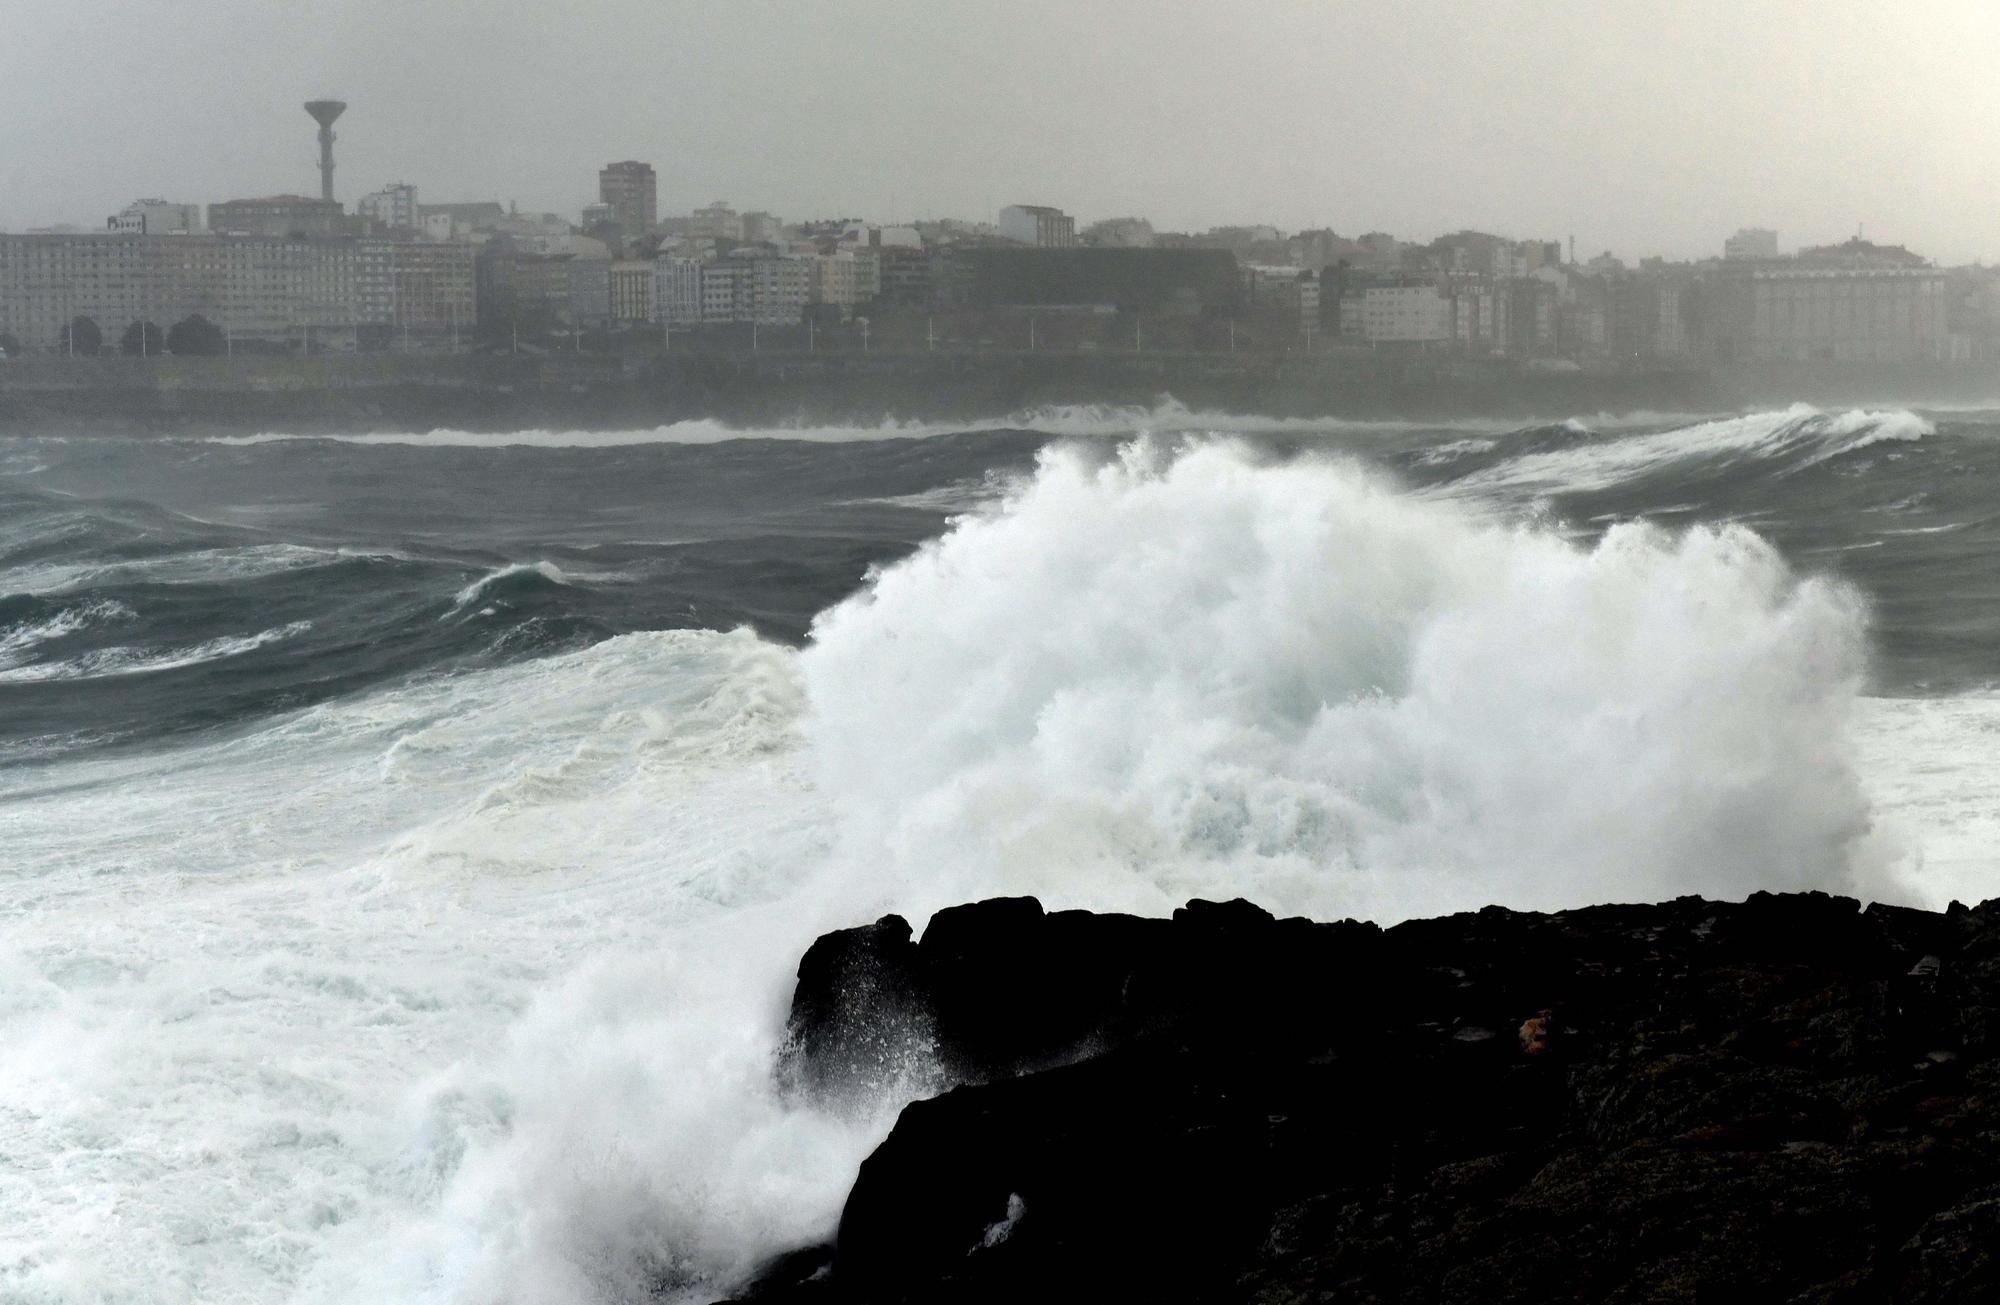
1193,671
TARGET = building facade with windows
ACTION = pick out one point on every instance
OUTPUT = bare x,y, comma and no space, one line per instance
1412,313
677,286
632,286
328,293
393,208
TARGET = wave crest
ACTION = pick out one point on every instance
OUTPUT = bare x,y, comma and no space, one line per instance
1794,438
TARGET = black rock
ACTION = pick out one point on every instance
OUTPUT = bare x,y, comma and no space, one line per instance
1787,1098
860,1016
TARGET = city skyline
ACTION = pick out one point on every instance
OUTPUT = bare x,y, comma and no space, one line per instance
1816,120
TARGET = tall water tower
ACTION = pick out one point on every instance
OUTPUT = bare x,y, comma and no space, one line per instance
324,112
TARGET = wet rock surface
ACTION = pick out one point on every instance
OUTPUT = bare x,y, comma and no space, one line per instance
1788,1099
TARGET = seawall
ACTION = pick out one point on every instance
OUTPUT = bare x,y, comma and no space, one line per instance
505,391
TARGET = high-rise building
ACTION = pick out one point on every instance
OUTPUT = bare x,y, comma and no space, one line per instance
633,194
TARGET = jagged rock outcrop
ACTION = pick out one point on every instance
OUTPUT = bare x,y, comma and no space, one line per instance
1788,1099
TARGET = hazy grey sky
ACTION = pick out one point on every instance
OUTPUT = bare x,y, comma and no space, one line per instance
1638,125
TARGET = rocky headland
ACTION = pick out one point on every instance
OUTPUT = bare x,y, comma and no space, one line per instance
1790,1098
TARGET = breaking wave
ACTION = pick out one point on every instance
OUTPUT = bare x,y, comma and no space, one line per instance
1166,415
1795,438
1171,673
519,574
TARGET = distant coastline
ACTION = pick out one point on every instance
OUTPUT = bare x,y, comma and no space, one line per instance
360,393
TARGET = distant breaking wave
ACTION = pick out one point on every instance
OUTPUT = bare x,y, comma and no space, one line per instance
1166,416
547,572
1801,435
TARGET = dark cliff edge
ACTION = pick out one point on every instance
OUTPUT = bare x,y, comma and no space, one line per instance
1789,1098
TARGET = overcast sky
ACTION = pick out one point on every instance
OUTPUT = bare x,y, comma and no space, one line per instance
1641,126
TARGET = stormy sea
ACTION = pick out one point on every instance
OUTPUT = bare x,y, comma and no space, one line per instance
409,839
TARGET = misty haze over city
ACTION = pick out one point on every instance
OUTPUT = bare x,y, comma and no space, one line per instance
1650,127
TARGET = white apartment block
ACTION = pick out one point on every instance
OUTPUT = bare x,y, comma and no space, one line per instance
1875,314
1412,314
632,285
772,289
677,287
252,286
394,207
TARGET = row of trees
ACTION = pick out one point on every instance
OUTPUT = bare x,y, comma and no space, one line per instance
192,336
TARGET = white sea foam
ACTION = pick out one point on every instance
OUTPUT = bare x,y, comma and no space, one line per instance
479,1002
18,642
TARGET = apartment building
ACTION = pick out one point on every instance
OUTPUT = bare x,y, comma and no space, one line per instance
631,290
1039,225
255,288
393,208
677,284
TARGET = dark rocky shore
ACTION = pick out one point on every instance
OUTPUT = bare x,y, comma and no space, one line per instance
1785,1099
